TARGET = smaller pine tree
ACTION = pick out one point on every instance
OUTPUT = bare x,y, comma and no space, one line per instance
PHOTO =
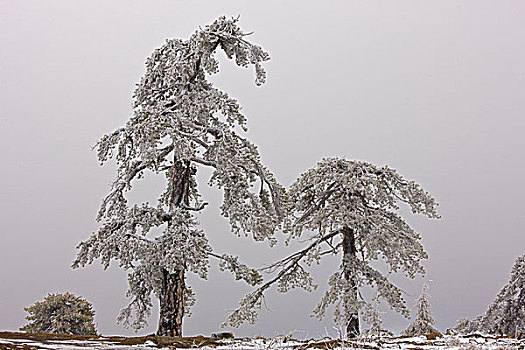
61,313
424,320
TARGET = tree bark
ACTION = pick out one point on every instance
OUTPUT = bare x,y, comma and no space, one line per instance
350,254
173,284
172,303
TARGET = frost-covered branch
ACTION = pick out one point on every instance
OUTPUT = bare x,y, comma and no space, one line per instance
297,256
240,271
324,196
289,270
115,201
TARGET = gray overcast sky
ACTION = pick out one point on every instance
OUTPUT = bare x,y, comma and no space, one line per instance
434,89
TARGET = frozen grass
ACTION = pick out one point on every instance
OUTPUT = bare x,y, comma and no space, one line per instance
40,341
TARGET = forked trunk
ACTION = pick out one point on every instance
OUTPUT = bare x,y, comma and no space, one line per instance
350,254
173,284
171,304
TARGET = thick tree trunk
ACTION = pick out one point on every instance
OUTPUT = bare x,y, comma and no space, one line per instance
171,304
350,254
173,284
180,184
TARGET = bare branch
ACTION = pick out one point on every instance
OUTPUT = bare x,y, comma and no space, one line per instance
291,262
297,256
333,250
204,161
199,208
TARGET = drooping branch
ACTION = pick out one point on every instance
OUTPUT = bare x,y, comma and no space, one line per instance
237,170
297,256
246,311
125,179
240,270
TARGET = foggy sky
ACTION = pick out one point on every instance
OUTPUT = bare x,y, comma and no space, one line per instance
434,89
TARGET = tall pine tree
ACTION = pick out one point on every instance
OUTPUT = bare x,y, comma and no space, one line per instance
180,123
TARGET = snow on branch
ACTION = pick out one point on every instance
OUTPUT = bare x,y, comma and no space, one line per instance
240,270
287,278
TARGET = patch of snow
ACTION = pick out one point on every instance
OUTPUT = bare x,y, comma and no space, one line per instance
446,342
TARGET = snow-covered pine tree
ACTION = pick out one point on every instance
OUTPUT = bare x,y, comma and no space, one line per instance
466,326
61,313
506,314
423,323
181,122
348,207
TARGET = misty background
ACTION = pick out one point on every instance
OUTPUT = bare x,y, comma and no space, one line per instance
434,89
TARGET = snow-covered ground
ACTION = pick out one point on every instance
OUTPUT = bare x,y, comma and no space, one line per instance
10,342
